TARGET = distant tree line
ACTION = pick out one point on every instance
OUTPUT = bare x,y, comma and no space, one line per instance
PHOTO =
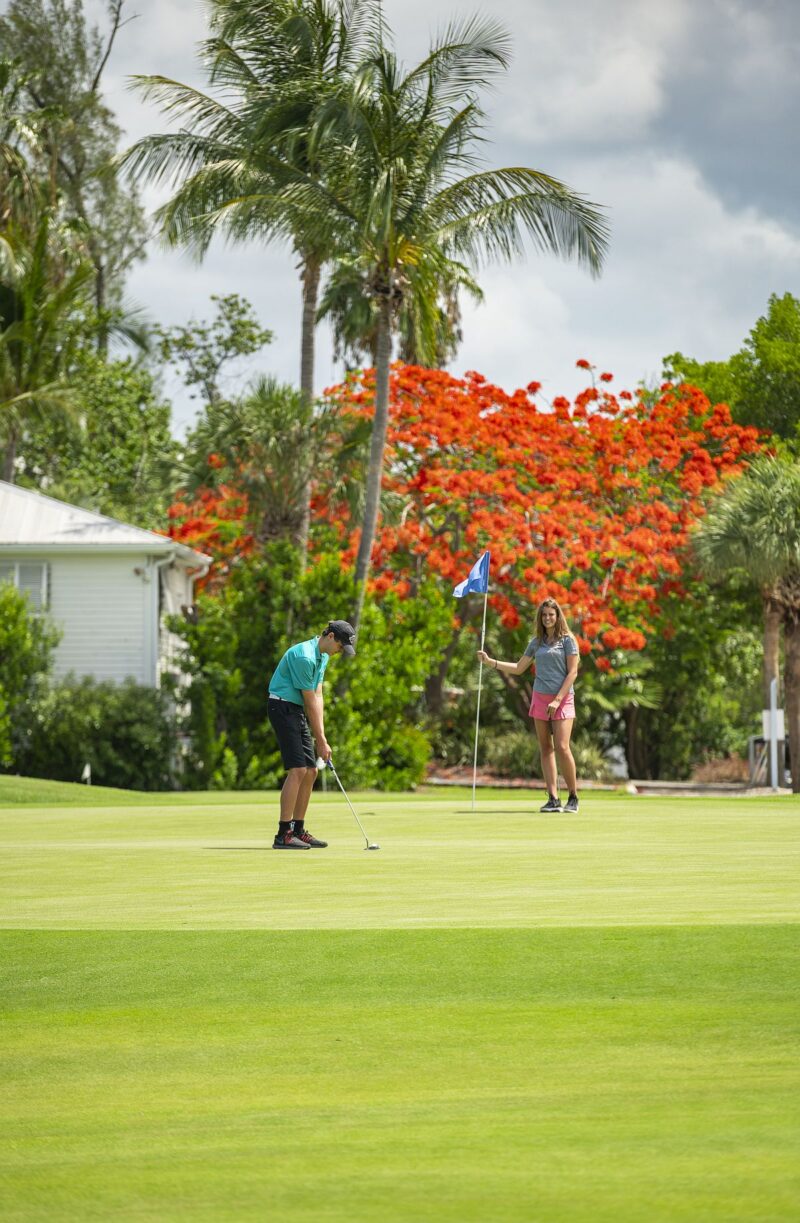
309,133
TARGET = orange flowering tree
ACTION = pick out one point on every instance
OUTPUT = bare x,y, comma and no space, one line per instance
589,501
214,521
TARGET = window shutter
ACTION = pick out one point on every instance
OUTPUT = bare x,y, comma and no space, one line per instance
31,582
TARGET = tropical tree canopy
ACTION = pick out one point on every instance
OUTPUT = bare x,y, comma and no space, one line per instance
760,382
754,527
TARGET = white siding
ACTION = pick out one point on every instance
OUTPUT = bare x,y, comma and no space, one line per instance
101,606
176,592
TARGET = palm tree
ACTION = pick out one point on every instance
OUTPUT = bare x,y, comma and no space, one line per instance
754,526
275,64
18,134
44,291
413,205
352,310
267,438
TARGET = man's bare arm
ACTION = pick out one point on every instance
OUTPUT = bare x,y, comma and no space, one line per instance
312,700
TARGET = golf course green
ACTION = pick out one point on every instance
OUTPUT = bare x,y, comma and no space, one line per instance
501,1015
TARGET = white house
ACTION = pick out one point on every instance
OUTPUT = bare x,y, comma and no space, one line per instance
106,585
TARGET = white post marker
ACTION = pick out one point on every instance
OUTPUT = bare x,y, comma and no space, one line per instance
477,583
86,775
773,734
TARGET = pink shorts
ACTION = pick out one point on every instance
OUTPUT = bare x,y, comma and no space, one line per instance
541,700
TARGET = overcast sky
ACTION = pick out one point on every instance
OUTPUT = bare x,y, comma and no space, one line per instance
679,116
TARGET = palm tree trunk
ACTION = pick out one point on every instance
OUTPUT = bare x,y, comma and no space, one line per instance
380,425
100,305
772,644
791,679
9,457
310,278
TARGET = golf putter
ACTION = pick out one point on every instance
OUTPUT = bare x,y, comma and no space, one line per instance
368,844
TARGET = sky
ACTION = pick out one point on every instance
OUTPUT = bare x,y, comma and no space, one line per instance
679,117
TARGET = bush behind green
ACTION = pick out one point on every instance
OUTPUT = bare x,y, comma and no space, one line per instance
374,719
27,641
515,753
125,732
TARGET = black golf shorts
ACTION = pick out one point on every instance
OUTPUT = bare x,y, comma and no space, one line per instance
291,727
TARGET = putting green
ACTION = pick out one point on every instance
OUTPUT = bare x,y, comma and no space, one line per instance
500,1016
620,861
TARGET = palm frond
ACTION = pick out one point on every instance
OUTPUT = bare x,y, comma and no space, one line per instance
464,57
184,102
754,524
492,212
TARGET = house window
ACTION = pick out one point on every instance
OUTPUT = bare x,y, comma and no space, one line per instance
30,578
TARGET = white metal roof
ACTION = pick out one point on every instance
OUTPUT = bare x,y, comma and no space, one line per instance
30,521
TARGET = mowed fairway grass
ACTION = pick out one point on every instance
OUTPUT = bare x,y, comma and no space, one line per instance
499,1016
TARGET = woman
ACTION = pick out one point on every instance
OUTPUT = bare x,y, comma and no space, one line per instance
555,652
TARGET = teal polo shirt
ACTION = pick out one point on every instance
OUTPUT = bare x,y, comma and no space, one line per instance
300,670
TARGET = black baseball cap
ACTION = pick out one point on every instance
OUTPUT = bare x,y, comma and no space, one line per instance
345,633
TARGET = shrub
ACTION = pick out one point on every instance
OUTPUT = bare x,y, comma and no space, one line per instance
372,716
590,763
26,645
125,732
516,754
733,768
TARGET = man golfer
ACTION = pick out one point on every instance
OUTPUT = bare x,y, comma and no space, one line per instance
295,705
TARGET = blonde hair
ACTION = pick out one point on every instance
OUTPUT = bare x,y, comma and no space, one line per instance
562,629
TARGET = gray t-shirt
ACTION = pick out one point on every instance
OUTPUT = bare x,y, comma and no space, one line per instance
551,662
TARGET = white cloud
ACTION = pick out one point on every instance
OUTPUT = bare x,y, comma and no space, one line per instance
683,273
592,72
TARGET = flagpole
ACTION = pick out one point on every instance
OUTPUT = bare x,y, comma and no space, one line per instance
478,710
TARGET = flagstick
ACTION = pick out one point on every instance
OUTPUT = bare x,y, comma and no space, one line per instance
478,711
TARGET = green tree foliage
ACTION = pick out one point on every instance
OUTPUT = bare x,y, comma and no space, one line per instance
753,527
204,350
699,698
761,382
372,702
17,135
43,293
117,455
265,445
125,732
61,63
26,645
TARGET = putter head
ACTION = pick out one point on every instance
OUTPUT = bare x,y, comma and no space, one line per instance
373,846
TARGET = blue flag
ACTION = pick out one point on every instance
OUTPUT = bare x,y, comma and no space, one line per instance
478,580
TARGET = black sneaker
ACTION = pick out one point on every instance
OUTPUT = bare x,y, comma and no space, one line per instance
572,803
287,840
311,841
553,804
